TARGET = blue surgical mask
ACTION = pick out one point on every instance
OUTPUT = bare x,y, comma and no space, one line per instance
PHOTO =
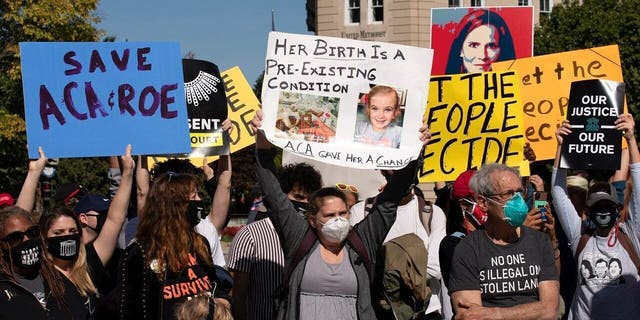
515,209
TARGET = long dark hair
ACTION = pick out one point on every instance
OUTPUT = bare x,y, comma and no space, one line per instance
469,23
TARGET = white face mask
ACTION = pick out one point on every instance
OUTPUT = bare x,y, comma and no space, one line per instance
336,229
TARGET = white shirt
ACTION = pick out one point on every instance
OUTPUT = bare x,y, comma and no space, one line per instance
208,230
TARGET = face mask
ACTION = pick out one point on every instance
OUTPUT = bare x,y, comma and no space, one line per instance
603,220
101,219
515,209
336,229
64,247
25,256
477,217
194,212
301,207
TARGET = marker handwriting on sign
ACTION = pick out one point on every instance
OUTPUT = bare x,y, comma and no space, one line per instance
322,49
129,100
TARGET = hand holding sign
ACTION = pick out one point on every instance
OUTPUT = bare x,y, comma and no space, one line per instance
626,125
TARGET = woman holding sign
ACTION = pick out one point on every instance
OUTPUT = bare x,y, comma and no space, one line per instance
168,262
613,239
328,263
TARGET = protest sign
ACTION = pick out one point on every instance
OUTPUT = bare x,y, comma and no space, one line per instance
85,99
242,105
545,82
206,106
472,39
474,118
594,142
313,87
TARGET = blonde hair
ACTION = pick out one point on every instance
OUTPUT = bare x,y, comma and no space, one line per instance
79,274
381,89
197,308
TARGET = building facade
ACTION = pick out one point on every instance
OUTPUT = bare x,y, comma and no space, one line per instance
406,22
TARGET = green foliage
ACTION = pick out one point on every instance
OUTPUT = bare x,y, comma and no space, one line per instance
594,23
38,20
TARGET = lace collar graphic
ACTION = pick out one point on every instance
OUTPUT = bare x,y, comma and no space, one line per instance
200,88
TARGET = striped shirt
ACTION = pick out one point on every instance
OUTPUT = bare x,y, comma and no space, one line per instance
256,250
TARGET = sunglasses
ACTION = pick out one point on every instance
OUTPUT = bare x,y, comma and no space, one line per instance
347,187
15,238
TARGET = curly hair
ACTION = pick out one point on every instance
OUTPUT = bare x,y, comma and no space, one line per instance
79,274
300,175
164,223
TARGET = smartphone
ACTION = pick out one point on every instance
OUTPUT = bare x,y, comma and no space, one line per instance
542,205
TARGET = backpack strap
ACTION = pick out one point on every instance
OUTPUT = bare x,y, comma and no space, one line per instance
582,243
307,242
626,244
425,210
354,240
368,204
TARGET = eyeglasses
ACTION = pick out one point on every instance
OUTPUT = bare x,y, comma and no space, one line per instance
15,238
507,194
347,187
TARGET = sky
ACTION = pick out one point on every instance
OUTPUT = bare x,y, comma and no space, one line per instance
227,33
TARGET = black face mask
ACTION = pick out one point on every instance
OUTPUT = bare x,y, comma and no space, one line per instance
604,219
25,256
301,207
64,247
194,212
102,218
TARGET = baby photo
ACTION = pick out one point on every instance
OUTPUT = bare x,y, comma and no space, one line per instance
306,117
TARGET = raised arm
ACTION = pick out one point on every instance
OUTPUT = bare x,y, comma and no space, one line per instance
222,198
27,197
142,184
569,218
626,124
107,240
287,222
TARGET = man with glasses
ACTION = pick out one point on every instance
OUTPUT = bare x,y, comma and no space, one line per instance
506,270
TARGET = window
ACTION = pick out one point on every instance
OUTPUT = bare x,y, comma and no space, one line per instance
353,12
376,11
545,6
477,3
455,3
523,3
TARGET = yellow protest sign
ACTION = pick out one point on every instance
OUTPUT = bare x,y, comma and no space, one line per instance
544,85
474,119
242,104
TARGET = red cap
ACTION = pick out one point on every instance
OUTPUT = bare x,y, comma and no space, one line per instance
6,199
461,188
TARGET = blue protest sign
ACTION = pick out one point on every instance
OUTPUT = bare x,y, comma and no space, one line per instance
85,99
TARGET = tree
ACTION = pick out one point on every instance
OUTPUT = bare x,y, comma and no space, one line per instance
591,23
32,20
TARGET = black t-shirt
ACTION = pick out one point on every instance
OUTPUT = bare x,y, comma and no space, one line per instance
103,277
506,275
179,286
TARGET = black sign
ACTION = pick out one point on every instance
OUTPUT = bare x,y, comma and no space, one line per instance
206,106
594,142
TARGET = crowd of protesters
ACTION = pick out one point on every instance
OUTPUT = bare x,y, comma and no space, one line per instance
494,245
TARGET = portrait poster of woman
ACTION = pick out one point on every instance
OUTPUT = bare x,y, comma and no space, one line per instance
470,39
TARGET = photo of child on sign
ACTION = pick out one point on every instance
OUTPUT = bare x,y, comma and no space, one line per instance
306,117
380,117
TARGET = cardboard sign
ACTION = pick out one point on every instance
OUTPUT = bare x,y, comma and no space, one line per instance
242,106
545,82
320,99
474,118
594,142
86,99
207,107
472,39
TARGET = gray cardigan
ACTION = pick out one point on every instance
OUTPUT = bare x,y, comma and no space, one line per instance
291,228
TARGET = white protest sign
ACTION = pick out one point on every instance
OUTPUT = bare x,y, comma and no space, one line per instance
345,102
